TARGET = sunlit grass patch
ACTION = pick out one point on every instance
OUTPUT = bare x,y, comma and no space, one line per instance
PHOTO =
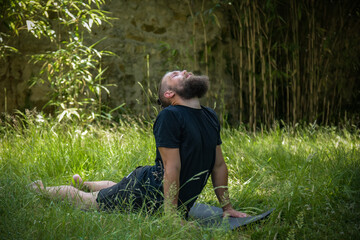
311,178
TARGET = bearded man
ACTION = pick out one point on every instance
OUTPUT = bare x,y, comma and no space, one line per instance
188,151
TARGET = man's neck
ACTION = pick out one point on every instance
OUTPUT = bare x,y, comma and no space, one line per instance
191,103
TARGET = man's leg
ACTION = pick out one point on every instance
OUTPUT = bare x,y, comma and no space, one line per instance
92,186
79,198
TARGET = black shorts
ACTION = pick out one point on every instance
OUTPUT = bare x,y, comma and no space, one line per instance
132,193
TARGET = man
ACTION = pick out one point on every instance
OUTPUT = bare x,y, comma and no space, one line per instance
188,151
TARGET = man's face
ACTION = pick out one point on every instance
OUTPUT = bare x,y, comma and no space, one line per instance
190,86
183,83
169,81
176,78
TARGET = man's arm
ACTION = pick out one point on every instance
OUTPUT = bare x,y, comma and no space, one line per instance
219,177
172,167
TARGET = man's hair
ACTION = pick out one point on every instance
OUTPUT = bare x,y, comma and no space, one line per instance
163,87
194,86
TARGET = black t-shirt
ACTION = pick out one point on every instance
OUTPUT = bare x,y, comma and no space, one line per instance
196,132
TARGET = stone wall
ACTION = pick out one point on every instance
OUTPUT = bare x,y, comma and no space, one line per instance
149,37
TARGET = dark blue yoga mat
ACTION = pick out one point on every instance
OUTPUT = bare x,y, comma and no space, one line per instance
212,216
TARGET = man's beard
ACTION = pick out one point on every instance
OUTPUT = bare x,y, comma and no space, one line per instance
162,101
194,86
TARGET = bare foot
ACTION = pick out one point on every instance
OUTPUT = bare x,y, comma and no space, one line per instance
77,181
36,185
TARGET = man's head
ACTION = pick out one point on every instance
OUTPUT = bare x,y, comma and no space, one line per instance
184,84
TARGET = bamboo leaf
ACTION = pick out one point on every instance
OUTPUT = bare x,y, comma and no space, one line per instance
105,89
98,20
216,20
86,26
91,22
118,107
70,14
61,115
96,43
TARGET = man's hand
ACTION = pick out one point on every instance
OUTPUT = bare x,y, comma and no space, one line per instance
172,167
230,212
219,178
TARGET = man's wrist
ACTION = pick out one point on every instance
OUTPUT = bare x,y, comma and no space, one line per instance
227,206
225,201
169,207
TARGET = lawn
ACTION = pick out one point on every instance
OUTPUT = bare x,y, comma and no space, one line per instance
310,175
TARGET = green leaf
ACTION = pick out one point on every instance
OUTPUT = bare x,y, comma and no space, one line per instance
118,107
105,89
98,90
91,22
61,115
98,20
70,14
30,25
86,26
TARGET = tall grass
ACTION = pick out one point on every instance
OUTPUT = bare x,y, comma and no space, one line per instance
310,175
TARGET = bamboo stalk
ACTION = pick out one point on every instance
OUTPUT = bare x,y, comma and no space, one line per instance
311,67
274,80
328,113
287,71
294,63
266,69
205,39
270,110
249,67
241,76
195,66
5,95
148,80
265,103
263,79
297,65
331,105
324,102
253,70
239,36
233,93
240,69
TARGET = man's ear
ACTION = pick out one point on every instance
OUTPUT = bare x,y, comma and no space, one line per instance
169,94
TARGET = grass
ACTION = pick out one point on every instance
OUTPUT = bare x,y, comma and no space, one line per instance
310,175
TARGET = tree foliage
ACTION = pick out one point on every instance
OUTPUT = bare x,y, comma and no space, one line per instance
72,69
